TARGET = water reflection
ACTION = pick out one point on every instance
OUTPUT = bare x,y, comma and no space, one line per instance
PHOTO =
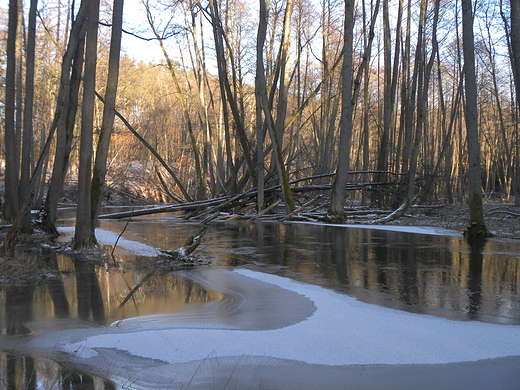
88,292
421,273
85,294
18,308
29,373
440,275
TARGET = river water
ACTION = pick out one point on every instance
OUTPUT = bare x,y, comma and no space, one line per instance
421,271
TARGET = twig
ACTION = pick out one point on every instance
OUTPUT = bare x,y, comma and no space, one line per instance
118,237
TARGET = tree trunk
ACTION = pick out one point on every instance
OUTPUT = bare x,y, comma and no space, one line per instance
227,93
337,211
515,61
65,115
100,165
27,145
83,237
11,158
259,87
476,226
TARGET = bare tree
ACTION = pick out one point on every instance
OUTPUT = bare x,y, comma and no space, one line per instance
83,237
476,225
100,165
27,139
12,165
65,115
515,61
260,89
337,210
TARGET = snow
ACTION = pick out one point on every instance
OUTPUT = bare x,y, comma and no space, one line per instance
435,231
105,237
341,331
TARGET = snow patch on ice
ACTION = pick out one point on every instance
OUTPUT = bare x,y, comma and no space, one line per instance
105,237
342,331
393,228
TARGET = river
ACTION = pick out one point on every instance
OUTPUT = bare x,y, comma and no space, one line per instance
295,305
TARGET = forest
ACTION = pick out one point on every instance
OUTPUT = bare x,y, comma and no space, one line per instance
384,103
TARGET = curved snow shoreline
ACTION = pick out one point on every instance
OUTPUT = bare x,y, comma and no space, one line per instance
342,331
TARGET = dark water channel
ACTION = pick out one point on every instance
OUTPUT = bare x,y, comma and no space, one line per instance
433,274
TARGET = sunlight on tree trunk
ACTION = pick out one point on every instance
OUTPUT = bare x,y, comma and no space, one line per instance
100,165
476,225
10,137
337,210
83,237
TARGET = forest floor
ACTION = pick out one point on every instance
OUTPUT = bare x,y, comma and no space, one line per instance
502,219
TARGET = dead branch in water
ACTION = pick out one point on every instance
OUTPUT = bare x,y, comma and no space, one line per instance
178,258
189,246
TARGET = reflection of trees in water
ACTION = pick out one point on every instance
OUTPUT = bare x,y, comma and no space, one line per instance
418,270
19,299
18,308
56,288
29,373
475,276
88,292
167,287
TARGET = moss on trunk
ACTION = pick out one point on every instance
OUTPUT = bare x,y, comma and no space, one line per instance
476,226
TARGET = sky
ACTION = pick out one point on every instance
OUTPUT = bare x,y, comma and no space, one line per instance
134,20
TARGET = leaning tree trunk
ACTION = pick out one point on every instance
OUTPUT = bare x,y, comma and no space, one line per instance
476,226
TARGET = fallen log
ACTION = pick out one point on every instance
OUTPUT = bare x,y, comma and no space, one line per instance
163,209
266,210
398,213
301,208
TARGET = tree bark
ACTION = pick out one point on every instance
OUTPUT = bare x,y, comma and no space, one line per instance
83,237
27,144
476,225
260,86
11,158
515,61
100,165
337,211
